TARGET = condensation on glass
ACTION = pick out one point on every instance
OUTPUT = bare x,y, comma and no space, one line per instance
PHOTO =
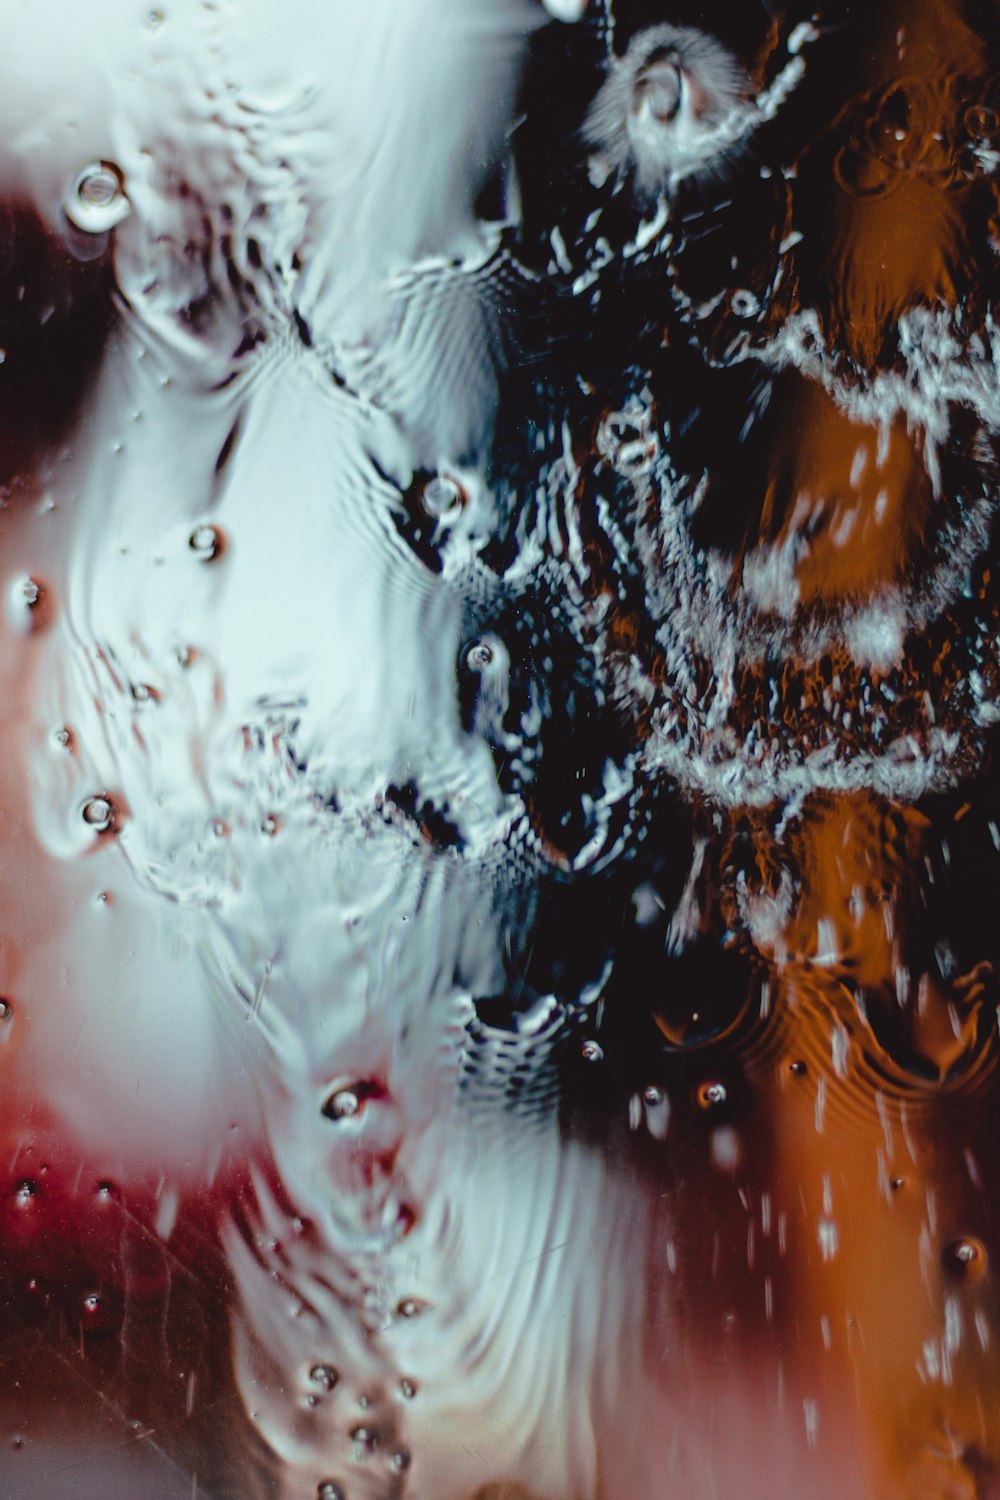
500,840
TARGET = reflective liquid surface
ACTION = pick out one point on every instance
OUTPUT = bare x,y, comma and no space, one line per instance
500,838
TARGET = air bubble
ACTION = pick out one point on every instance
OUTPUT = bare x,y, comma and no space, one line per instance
343,1105
628,440
64,738
861,175
479,656
442,498
407,1389
400,1460
658,91
96,201
365,1437
207,542
744,304
325,1376
6,1010
652,1096
330,1490
965,1257
28,604
99,813
900,123
410,1307
592,1052
712,1095
97,1313
565,10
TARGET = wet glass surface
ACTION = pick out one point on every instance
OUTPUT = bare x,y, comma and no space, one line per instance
501,840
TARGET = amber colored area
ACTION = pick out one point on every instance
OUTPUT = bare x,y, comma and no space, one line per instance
903,1170
846,1254
847,504
892,221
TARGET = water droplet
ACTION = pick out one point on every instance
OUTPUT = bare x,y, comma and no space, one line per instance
744,303
407,1389
96,201
342,1105
208,542
28,604
154,20
99,813
26,1192
592,1052
220,828
897,1183
442,498
712,1095
325,1376
628,440
365,1437
798,1067
105,1191
270,825
6,1010
900,122
861,175
479,656
330,1490
400,1460
64,738
965,1257
565,10
658,91
97,1311
410,1307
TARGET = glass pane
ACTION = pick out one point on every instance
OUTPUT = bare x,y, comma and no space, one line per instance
500,832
